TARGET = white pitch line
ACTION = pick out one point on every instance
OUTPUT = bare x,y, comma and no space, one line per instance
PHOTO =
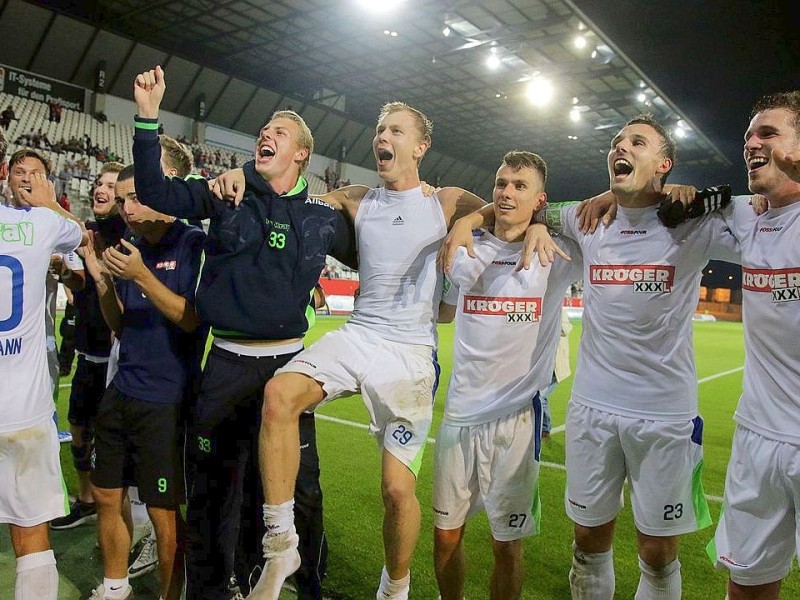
549,465
718,375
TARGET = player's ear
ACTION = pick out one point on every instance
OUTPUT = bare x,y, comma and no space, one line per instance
665,165
541,200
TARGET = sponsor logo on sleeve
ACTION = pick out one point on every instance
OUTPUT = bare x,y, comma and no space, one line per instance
515,310
782,284
167,265
644,279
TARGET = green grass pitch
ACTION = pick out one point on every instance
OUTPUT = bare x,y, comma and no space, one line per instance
350,477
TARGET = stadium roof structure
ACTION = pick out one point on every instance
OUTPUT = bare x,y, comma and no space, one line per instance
479,69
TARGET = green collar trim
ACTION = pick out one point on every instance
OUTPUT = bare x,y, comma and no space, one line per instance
299,186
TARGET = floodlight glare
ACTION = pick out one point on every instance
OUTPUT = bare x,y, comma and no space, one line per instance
446,31
680,132
580,42
641,97
380,6
540,91
575,100
492,61
594,53
574,115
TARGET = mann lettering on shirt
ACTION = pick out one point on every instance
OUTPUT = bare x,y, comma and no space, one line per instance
782,284
516,310
646,279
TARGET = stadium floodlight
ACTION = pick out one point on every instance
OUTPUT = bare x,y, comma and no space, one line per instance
540,91
580,42
680,132
641,97
575,115
575,100
380,6
493,61
446,31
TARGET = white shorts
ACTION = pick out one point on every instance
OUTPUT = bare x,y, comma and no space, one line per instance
32,488
494,465
759,533
662,460
397,383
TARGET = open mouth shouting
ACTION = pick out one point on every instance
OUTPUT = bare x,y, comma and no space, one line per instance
265,153
622,168
384,156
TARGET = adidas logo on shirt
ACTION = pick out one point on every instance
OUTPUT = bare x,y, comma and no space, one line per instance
398,220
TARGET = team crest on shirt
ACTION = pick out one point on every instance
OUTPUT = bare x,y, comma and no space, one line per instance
645,279
782,284
515,310
167,265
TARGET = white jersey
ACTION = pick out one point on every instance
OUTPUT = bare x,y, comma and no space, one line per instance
28,237
641,287
500,359
398,235
770,403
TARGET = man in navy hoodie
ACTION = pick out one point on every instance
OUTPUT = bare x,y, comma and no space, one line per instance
262,260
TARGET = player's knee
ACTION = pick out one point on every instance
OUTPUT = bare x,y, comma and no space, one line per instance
447,540
282,400
657,552
106,499
82,457
511,549
594,540
396,494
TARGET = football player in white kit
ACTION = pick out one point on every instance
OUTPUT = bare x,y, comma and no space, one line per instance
633,412
759,531
31,486
507,327
64,267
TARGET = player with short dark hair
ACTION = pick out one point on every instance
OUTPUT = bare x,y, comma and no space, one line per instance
146,288
757,536
507,327
31,484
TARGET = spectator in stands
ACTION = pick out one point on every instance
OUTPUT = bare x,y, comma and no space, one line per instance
147,298
7,116
63,200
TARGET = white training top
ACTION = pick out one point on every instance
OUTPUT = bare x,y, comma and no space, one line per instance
500,359
398,236
770,403
28,237
641,287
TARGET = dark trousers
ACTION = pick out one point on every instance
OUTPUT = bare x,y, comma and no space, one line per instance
66,354
224,513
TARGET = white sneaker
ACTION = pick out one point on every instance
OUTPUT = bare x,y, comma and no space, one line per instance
141,531
147,559
99,593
